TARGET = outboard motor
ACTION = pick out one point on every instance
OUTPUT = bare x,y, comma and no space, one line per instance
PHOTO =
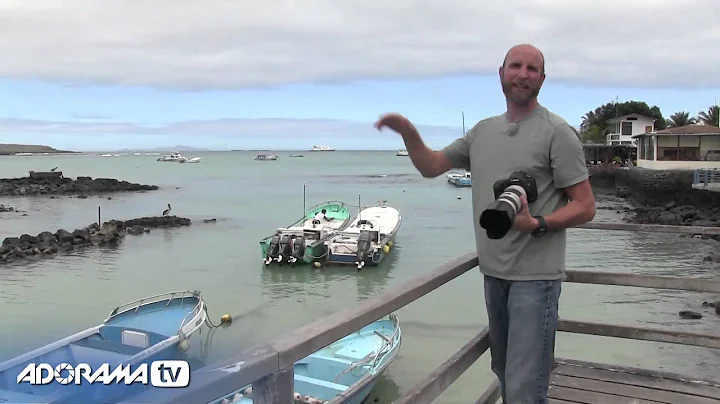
273,249
297,250
363,247
285,249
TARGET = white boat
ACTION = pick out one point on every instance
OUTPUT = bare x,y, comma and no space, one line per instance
454,174
368,240
402,152
192,160
322,148
173,157
266,157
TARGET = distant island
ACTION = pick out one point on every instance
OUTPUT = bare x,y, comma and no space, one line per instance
10,149
164,149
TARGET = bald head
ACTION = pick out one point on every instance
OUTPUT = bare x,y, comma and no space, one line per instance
525,49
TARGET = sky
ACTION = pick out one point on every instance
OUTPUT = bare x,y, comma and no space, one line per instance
290,74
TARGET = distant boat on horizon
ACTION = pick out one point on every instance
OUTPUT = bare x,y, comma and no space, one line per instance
402,152
322,148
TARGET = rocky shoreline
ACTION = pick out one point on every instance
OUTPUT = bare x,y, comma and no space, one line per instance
661,197
30,186
48,245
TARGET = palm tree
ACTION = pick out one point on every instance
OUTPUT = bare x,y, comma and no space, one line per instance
711,117
679,119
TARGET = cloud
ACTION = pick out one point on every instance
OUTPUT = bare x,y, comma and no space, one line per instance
224,44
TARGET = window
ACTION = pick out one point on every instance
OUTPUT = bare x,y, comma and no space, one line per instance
626,129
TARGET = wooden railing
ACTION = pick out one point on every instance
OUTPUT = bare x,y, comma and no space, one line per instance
269,367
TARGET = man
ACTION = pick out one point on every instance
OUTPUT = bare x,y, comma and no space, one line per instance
523,271
321,216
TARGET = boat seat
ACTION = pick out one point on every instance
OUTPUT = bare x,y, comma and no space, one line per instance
111,346
319,382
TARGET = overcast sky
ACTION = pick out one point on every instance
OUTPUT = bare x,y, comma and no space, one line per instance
243,74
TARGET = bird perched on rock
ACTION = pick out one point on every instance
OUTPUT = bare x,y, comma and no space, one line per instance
54,169
167,211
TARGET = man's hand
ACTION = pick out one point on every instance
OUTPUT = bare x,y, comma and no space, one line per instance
523,221
396,122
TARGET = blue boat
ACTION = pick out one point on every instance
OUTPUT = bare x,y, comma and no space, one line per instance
135,333
343,372
368,240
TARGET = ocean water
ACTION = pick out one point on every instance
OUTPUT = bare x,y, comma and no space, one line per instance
49,299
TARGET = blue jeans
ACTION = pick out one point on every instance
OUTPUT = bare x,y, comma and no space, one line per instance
523,318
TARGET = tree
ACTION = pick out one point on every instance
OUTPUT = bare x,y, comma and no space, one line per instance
602,114
711,117
593,134
679,119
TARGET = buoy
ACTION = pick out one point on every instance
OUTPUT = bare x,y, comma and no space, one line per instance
386,248
248,391
237,397
317,264
184,345
459,197
297,396
390,243
226,319
225,401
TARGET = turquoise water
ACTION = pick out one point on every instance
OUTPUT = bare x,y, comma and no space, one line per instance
50,299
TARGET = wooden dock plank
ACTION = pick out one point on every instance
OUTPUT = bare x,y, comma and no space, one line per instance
591,383
660,384
592,397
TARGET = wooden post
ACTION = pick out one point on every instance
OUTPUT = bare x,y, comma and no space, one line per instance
99,221
277,388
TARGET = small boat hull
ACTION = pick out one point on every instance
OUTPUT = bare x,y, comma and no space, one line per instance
346,370
156,327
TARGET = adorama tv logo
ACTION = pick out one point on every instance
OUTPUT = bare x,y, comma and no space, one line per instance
166,374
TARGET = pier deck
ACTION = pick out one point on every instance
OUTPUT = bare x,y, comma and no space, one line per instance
268,367
592,383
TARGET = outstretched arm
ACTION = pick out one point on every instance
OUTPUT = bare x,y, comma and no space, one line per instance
430,163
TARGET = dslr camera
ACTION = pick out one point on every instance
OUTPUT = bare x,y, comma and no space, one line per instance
498,218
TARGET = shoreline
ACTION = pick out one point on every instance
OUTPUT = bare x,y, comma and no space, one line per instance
660,197
27,248
54,184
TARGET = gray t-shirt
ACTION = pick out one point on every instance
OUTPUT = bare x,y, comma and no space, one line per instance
546,147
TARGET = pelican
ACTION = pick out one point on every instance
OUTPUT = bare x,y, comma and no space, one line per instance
54,169
167,211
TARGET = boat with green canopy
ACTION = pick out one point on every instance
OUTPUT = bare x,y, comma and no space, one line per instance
303,242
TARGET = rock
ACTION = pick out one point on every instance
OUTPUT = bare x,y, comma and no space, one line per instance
4,208
110,233
213,220
690,315
82,186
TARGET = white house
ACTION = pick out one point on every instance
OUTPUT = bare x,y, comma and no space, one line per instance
623,128
684,148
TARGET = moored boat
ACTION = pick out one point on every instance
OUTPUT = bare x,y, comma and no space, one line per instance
461,180
368,240
345,371
303,241
266,157
402,152
154,328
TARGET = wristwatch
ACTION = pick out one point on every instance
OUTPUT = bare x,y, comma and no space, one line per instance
542,227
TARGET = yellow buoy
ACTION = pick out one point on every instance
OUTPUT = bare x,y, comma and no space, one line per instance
226,319
386,248
390,244
317,264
